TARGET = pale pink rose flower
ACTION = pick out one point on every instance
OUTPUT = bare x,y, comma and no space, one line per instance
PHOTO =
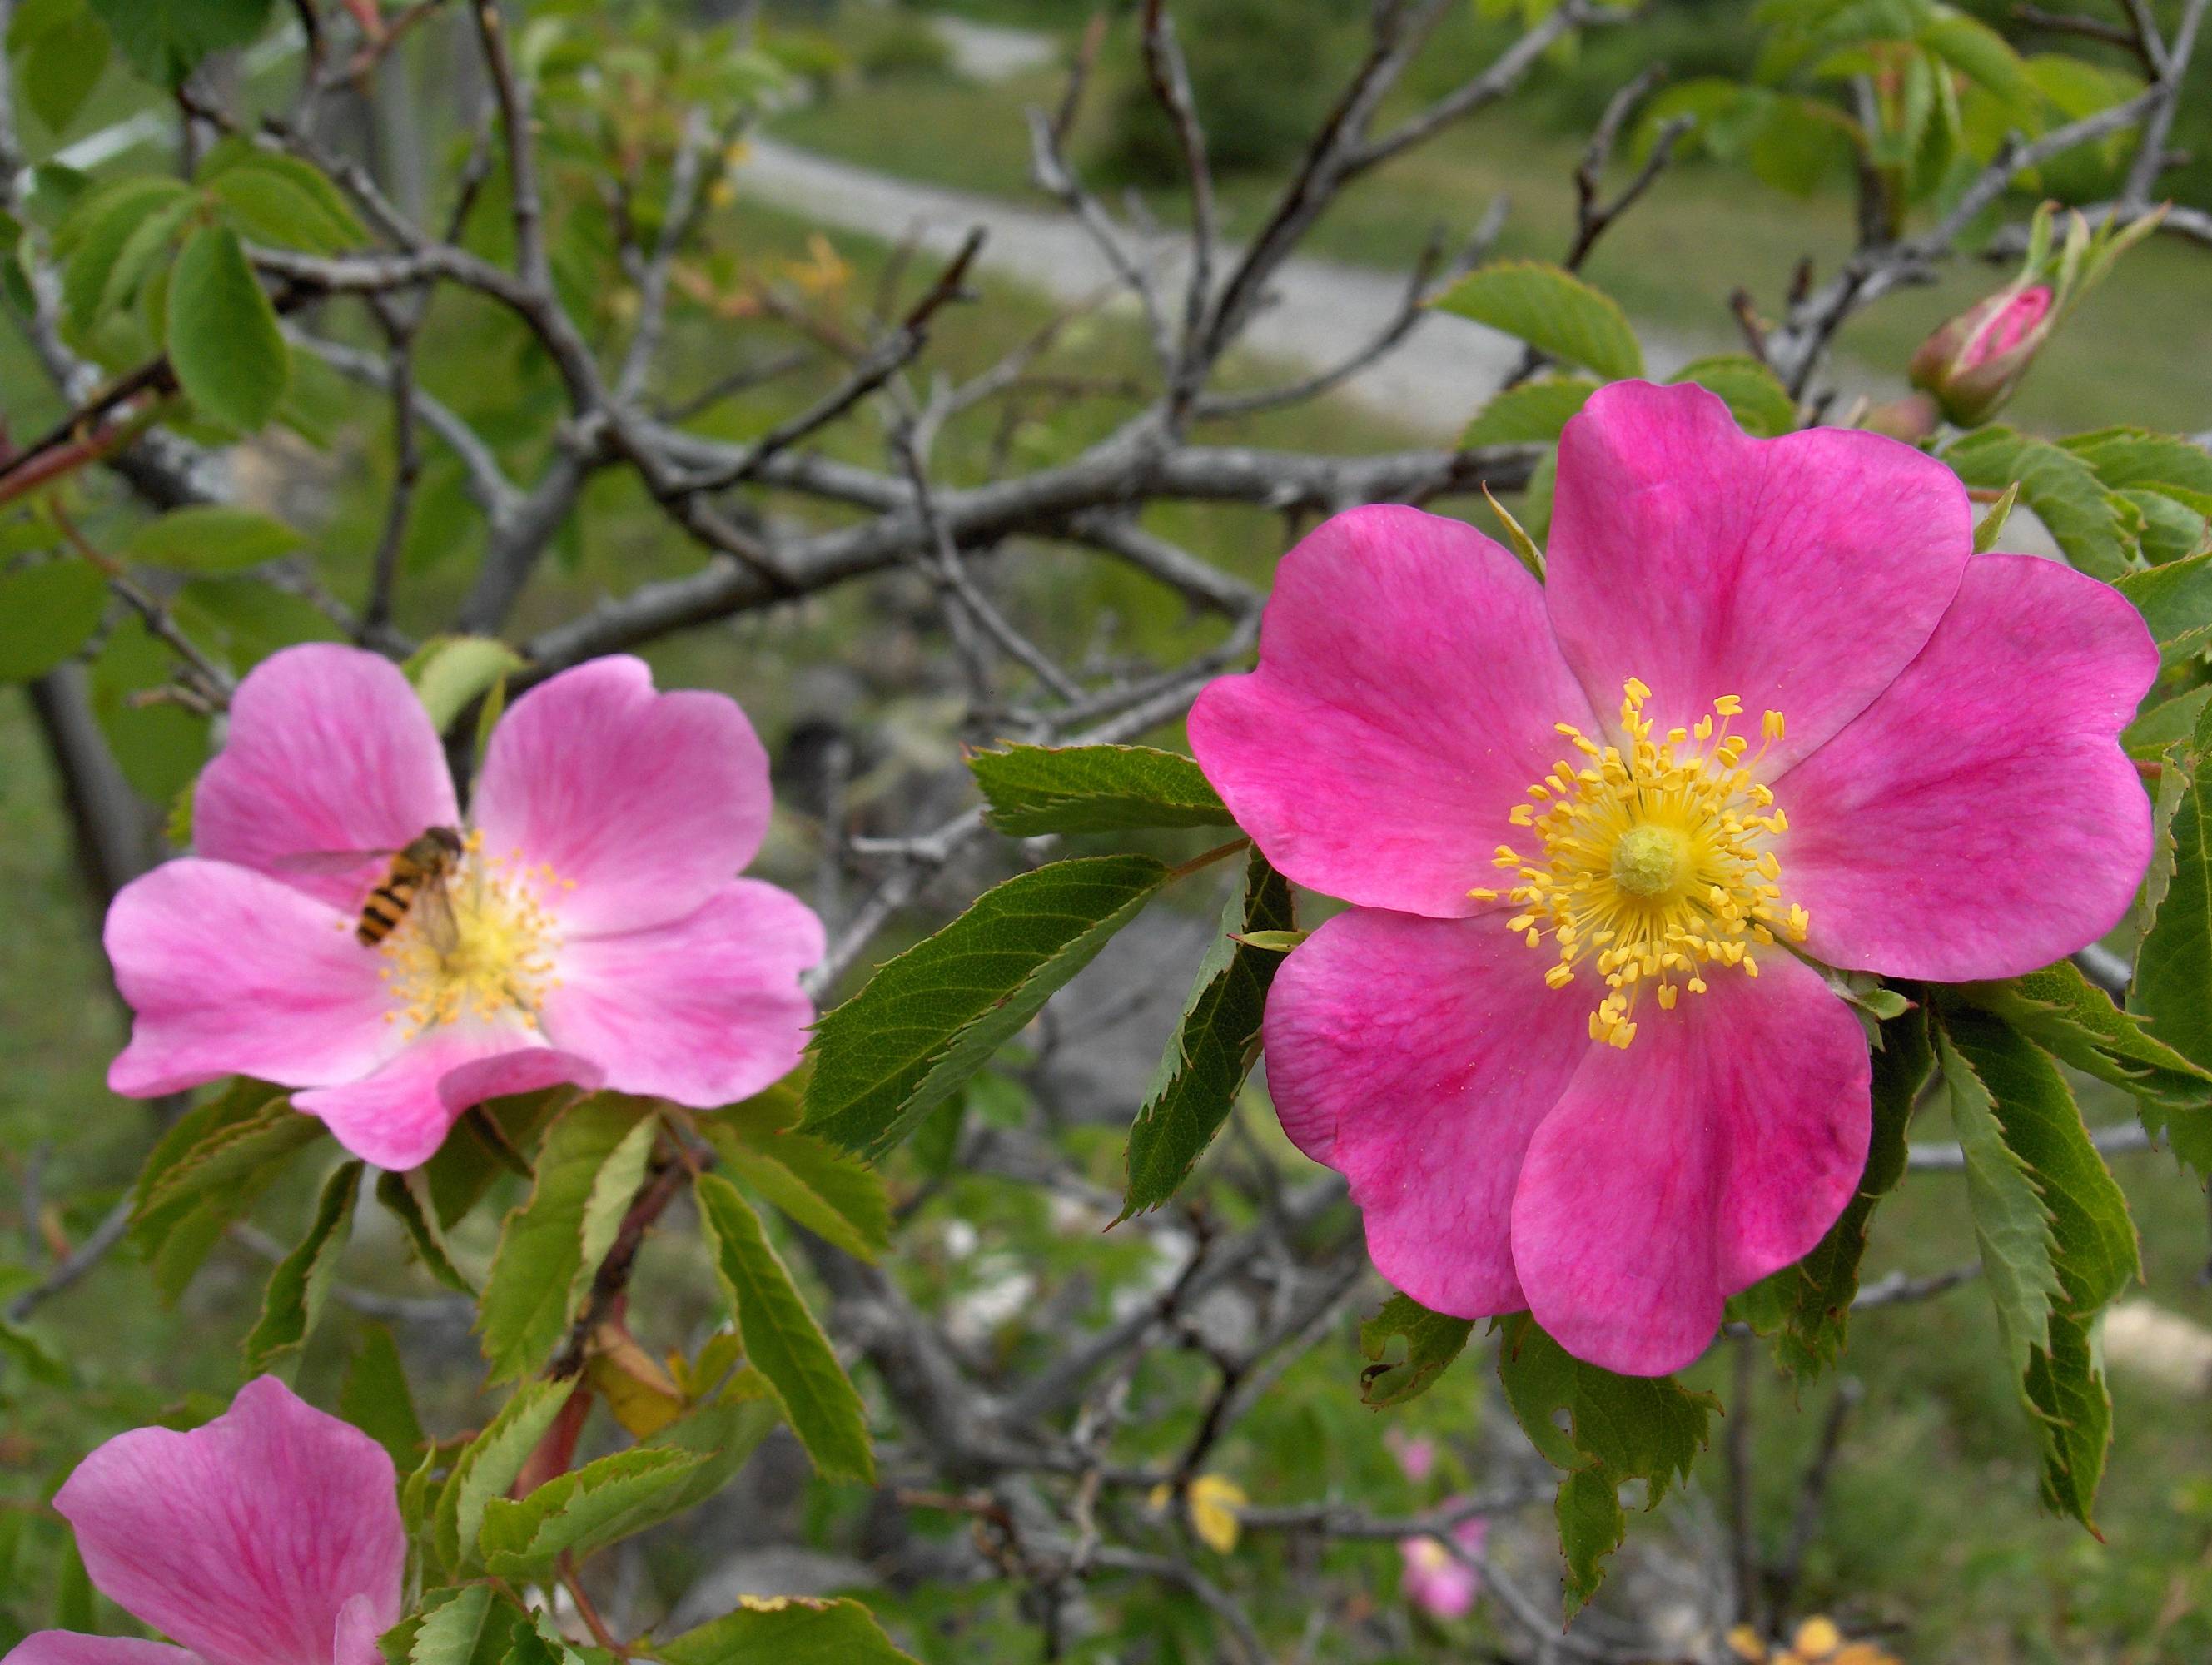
1416,1454
1618,1133
599,933
1443,1584
269,1536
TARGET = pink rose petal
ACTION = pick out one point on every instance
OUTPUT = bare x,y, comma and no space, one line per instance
397,1117
328,750
644,803
1717,1148
705,1010
71,1648
1416,1057
1800,573
246,1539
1405,700
1980,820
230,971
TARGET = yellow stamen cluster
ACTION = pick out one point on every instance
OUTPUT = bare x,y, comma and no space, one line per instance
1655,860
480,946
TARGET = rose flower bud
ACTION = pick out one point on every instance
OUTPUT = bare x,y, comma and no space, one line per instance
1973,362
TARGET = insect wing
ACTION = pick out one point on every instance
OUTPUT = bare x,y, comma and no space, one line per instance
329,863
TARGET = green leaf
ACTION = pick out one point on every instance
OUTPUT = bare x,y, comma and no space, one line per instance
2063,491
2172,528
2063,1012
2089,1245
1807,1308
489,1464
46,613
1618,1428
486,1143
1033,790
376,1400
164,41
1397,1375
1213,1048
450,674
207,1171
91,239
2126,456
1531,414
159,747
243,619
1758,400
2173,964
583,1511
224,345
2176,603
816,1185
1551,310
406,1198
781,1338
927,1020
278,199
787,1630
471,1625
1981,54
42,1360
302,1282
211,539
59,52
550,1249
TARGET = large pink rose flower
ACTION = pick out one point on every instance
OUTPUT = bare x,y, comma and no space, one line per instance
1571,1045
269,1536
597,932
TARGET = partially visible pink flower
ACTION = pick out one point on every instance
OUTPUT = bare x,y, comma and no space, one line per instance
1416,1454
599,933
1571,1045
269,1536
1444,1584
1973,364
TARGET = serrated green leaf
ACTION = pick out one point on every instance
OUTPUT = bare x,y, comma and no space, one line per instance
590,1165
1213,1048
2065,1389
2126,456
472,1626
816,1185
406,1198
1554,311
787,1630
302,1282
1618,1428
211,539
1982,56
229,356
2012,1227
164,41
1432,1340
207,1171
1807,1308
1758,400
376,1399
1531,414
927,1020
2061,1011
1033,790
282,201
487,1142
2065,493
489,1464
46,613
2176,603
450,672
781,1338
2173,963
583,1511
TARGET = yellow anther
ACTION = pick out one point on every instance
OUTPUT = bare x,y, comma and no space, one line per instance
1479,894
1655,863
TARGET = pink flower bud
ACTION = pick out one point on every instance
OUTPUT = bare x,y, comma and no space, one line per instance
1973,364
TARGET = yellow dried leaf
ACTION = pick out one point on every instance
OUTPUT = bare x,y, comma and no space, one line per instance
1213,1501
1817,1639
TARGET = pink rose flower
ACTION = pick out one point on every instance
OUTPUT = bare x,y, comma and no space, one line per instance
1442,1583
1571,1045
269,1536
594,930
1416,1454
